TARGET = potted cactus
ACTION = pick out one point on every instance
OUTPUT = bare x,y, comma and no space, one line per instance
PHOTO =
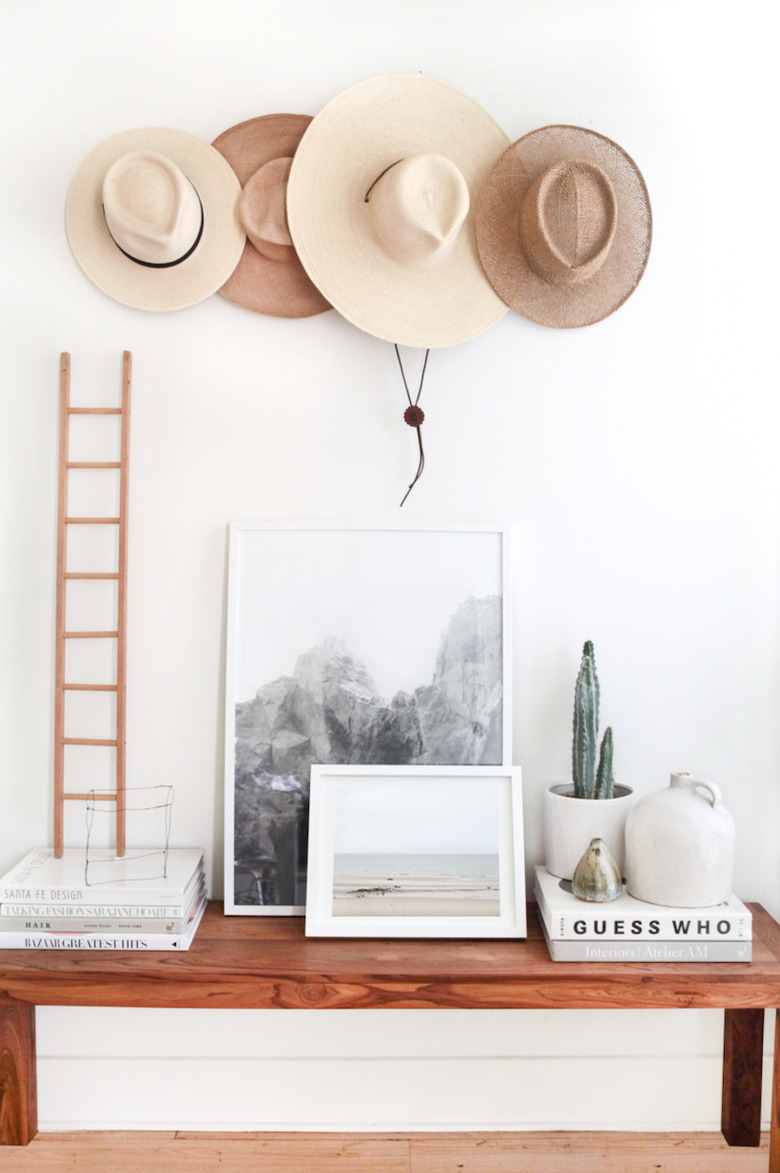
590,781
592,805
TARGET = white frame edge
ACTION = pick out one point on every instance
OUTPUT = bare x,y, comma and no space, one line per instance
320,920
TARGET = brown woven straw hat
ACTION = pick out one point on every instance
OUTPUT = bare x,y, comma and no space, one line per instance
564,226
152,218
269,278
381,205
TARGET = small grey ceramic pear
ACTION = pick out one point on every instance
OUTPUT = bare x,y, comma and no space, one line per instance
596,876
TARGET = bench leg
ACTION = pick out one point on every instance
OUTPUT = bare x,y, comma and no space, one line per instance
743,1045
18,1086
774,1124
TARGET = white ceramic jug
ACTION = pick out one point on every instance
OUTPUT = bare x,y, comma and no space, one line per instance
680,845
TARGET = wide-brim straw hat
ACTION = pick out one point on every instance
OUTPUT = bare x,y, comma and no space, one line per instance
351,143
143,285
564,226
268,279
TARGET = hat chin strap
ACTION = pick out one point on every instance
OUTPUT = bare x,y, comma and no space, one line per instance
414,414
162,264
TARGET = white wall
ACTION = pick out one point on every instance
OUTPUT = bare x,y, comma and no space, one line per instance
635,459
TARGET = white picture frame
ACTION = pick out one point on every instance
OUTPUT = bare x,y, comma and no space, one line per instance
384,603
406,852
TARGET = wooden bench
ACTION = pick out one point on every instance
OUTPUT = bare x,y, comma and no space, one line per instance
268,963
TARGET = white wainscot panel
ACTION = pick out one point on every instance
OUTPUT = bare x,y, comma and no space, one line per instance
381,1070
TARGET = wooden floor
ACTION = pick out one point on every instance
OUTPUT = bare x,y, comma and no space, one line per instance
486,1152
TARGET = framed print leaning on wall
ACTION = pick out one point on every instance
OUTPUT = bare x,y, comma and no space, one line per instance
415,851
352,645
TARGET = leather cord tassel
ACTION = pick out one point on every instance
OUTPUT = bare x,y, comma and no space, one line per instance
414,415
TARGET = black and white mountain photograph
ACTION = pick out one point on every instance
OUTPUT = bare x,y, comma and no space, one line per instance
351,647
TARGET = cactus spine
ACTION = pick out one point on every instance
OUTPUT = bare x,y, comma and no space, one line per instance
590,780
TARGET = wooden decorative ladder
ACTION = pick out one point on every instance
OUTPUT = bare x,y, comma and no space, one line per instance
117,634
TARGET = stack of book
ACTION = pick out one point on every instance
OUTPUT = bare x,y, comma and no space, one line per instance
140,902
632,930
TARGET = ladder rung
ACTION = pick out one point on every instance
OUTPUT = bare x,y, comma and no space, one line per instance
94,411
90,634
88,741
84,574
93,464
88,797
91,687
92,520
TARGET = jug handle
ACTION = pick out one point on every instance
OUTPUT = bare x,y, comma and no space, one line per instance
688,782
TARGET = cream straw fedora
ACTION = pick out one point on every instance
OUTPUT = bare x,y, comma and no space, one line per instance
152,218
564,226
269,278
381,204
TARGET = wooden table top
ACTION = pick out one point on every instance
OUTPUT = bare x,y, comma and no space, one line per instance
268,962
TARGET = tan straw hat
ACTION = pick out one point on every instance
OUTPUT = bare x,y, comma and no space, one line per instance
381,204
269,278
564,226
152,218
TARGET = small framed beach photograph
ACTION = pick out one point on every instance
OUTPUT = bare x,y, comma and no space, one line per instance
370,645
415,852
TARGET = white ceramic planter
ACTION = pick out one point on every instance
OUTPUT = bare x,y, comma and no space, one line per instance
570,823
